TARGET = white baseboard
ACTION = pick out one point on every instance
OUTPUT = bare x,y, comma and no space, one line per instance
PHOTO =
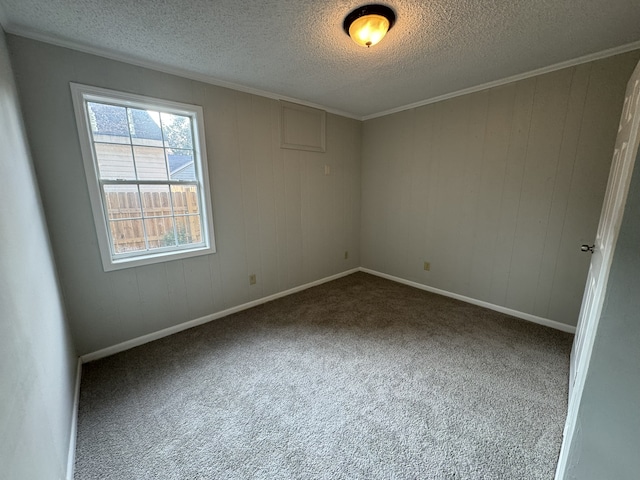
120,347
135,342
71,456
514,313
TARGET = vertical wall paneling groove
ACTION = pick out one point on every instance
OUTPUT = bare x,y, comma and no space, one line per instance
279,197
435,115
467,220
263,153
306,243
549,110
154,294
563,178
511,188
420,177
496,189
198,286
177,291
247,186
491,180
293,208
124,286
275,212
213,126
313,233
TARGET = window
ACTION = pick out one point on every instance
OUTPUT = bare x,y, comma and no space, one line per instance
146,170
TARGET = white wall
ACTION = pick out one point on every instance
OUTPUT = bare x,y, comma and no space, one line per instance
606,441
276,213
37,361
496,189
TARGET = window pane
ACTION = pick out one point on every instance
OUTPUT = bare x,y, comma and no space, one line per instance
145,127
115,162
160,232
127,235
177,131
185,199
150,163
108,123
156,200
122,201
189,229
181,164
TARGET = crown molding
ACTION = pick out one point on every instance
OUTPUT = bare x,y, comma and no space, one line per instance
139,62
521,76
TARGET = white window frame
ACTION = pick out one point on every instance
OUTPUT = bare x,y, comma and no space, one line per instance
81,94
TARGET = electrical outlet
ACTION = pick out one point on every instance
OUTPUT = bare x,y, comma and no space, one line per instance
252,279
427,266
346,254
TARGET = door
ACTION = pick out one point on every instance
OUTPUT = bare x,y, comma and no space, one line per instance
602,251
624,157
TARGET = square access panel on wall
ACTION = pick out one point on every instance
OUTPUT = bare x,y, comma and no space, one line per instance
301,127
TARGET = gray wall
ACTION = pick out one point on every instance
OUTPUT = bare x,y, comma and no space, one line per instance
497,189
37,361
276,213
606,441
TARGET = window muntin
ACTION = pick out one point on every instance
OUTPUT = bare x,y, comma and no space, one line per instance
146,171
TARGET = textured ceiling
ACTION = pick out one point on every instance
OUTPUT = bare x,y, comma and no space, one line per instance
297,48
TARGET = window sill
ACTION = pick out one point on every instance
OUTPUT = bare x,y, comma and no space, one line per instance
139,261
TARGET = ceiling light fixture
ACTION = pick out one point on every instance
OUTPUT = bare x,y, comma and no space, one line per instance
367,25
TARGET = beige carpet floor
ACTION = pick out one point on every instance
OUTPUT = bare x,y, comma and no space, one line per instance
359,378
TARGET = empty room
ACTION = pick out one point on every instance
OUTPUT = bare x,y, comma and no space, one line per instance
319,240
